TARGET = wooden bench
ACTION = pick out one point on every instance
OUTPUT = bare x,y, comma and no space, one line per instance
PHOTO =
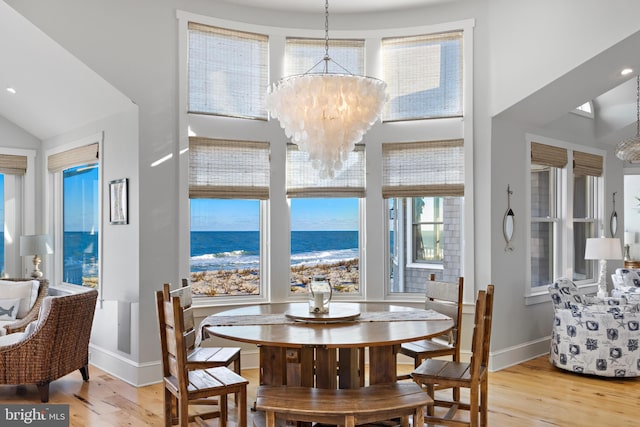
347,407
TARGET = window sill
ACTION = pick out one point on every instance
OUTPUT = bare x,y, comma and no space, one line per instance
425,266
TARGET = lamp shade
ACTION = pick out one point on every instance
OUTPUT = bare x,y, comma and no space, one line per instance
629,237
38,244
603,248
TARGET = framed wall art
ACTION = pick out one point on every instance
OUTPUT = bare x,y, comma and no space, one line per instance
118,213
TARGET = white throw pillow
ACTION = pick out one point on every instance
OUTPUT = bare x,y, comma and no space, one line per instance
11,339
9,308
23,290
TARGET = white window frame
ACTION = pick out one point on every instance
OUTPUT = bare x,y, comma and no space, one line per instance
563,236
53,207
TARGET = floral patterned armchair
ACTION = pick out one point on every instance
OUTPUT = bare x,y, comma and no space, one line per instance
597,336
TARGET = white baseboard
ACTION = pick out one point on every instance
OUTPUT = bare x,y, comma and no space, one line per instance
511,356
136,374
142,374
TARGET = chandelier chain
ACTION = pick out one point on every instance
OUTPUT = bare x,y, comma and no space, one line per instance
638,105
326,36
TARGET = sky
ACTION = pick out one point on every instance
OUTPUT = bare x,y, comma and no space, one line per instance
243,215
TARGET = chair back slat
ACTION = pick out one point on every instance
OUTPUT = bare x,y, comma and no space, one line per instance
449,309
171,342
190,340
168,313
446,298
442,291
184,293
189,322
174,369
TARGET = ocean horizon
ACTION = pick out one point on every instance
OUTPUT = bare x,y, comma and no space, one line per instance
231,250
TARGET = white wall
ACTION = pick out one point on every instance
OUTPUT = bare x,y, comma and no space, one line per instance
534,43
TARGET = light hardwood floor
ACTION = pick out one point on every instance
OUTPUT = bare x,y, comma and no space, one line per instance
531,394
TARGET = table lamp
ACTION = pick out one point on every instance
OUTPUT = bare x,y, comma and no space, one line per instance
602,249
36,245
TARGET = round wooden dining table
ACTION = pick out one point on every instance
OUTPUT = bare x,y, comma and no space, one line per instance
327,351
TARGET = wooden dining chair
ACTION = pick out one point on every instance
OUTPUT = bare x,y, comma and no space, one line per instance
445,298
184,386
472,375
199,357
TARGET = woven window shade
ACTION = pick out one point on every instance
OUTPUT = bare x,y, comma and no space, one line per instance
13,165
223,169
301,55
587,164
228,72
548,155
303,181
421,169
423,75
85,155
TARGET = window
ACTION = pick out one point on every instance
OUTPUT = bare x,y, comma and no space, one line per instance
302,56
77,218
424,185
423,75
427,223
325,242
225,247
587,168
227,72
565,210
544,221
585,110
583,224
325,221
80,225
228,180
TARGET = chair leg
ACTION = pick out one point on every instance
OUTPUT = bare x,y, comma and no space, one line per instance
168,408
237,369
431,393
183,411
43,389
84,371
484,403
222,402
270,418
241,407
474,406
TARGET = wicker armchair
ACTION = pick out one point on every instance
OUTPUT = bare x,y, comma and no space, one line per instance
54,346
20,324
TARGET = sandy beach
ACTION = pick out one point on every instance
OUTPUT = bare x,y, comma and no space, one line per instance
342,275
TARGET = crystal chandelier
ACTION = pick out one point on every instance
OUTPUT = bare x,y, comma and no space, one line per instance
629,149
326,114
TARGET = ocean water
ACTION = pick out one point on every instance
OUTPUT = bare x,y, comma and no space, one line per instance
230,250
80,256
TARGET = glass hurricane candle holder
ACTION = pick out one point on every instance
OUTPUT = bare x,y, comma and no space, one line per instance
320,293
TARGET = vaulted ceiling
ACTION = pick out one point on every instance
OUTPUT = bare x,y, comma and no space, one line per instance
56,92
